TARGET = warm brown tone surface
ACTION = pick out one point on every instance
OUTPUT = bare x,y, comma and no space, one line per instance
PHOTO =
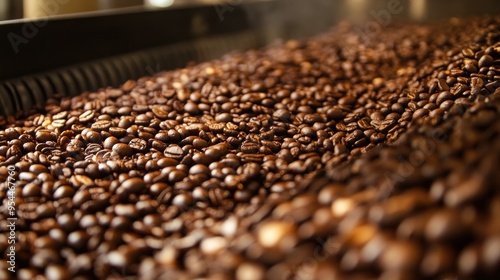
343,156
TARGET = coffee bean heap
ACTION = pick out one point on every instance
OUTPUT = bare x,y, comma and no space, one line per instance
332,157
425,207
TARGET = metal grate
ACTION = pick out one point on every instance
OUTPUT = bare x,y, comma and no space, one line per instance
28,92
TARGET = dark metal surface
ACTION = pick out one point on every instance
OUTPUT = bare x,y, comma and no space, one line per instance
63,42
22,94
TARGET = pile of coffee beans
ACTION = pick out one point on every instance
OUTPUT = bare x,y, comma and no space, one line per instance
331,158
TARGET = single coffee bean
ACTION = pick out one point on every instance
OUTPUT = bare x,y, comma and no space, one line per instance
86,116
182,200
445,225
347,100
174,152
486,61
249,147
138,144
437,260
400,256
123,150
101,125
143,119
275,234
420,113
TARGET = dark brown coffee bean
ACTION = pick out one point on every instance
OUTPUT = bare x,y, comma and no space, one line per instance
191,108
117,132
199,143
101,125
199,169
490,255
64,191
297,166
176,176
86,116
491,87
470,67
445,225
443,96
44,136
486,61
12,133
142,119
58,123
138,144
81,264
123,150
383,126
160,112
284,236
249,147
78,240
437,260
174,152
446,105
347,100
467,191
27,176
334,114
422,112
133,185
127,210
44,257
443,86
469,260
467,52
232,181
182,200
377,137
401,256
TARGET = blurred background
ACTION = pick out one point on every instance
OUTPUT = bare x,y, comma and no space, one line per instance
346,9
297,18
15,9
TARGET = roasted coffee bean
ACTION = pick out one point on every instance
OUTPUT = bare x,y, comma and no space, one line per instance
138,144
63,192
347,100
142,119
279,235
44,257
420,113
176,176
249,147
182,200
110,142
117,132
199,169
400,256
133,185
174,152
485,61
86,116
101,125
123,150
445,225
437,260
